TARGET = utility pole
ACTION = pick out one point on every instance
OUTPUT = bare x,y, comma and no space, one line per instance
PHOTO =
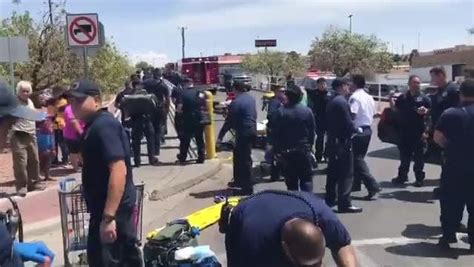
350,23
183,41
50,12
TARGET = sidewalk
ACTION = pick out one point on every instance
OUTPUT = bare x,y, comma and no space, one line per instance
40,210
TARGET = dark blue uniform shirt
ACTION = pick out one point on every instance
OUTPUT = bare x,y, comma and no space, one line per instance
446,97
191,111
254,235
339,120
158,88
105,141
293,128
242,116
457,125
318,103
409,121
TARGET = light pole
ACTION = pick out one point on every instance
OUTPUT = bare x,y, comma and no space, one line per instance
183,41
350,23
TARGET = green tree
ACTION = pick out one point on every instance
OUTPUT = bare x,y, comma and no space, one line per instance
343,52
143,65
51,61
273,63
109,68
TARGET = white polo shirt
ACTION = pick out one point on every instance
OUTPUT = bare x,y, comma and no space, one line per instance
363,106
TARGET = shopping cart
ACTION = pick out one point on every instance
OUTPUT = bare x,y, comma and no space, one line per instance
75,220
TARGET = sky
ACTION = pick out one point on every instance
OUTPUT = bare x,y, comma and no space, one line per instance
149,29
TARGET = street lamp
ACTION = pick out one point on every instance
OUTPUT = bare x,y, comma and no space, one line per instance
350,23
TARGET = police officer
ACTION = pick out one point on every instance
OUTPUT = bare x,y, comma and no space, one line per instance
285,228
125,119
340,129
319,99
412,108
455,134
14,254
273,106
293,133
156,86
242,118
189,109
363,111
107,182
228,81
142,125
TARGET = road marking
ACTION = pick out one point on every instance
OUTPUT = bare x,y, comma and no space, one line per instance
397,240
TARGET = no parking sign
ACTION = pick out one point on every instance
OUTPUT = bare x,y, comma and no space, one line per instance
83,30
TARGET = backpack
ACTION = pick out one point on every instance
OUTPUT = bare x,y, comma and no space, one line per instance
159,249
139,103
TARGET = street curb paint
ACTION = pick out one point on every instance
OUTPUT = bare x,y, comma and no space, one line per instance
162,194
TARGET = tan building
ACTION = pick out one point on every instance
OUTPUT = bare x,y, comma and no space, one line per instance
458,61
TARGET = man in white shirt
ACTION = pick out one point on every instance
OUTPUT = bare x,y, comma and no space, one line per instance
24,146
363,111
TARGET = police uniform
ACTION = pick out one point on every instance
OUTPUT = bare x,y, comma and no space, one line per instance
253,237
456,178
160,90
242,118
7,259
340,129
293,133
319,101
191,100
105,141
363,108
411,127
273,106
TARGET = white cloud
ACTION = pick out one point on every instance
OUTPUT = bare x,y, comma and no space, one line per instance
276,13
151,57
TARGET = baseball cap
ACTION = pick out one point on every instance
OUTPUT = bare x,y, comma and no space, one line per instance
9,106
83,89
339,82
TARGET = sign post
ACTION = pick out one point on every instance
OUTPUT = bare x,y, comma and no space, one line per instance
83,32
12,50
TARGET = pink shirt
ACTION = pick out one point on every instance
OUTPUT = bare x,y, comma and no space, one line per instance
69,132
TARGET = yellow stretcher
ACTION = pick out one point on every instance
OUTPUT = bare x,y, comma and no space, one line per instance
203,218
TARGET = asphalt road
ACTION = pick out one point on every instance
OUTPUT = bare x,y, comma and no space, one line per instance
399,229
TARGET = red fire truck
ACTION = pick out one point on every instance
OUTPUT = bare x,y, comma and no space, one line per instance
203,70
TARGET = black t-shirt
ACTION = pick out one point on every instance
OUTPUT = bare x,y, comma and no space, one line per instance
319,101
254,235
105,141
409,121
457,125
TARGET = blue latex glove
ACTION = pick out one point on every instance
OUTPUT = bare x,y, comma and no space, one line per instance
34,251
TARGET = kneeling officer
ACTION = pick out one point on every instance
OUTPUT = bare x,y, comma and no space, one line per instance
283,229
294,132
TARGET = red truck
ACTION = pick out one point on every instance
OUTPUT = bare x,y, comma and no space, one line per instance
203,70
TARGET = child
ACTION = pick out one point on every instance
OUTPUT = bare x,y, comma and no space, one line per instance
45,137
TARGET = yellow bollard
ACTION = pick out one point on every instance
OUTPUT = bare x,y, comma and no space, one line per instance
209,130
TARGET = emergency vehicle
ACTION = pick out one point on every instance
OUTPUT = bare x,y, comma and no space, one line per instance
204,71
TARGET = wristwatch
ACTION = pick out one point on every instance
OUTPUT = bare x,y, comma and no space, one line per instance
108,218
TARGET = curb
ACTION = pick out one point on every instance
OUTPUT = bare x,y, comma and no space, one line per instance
33,229
163,194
